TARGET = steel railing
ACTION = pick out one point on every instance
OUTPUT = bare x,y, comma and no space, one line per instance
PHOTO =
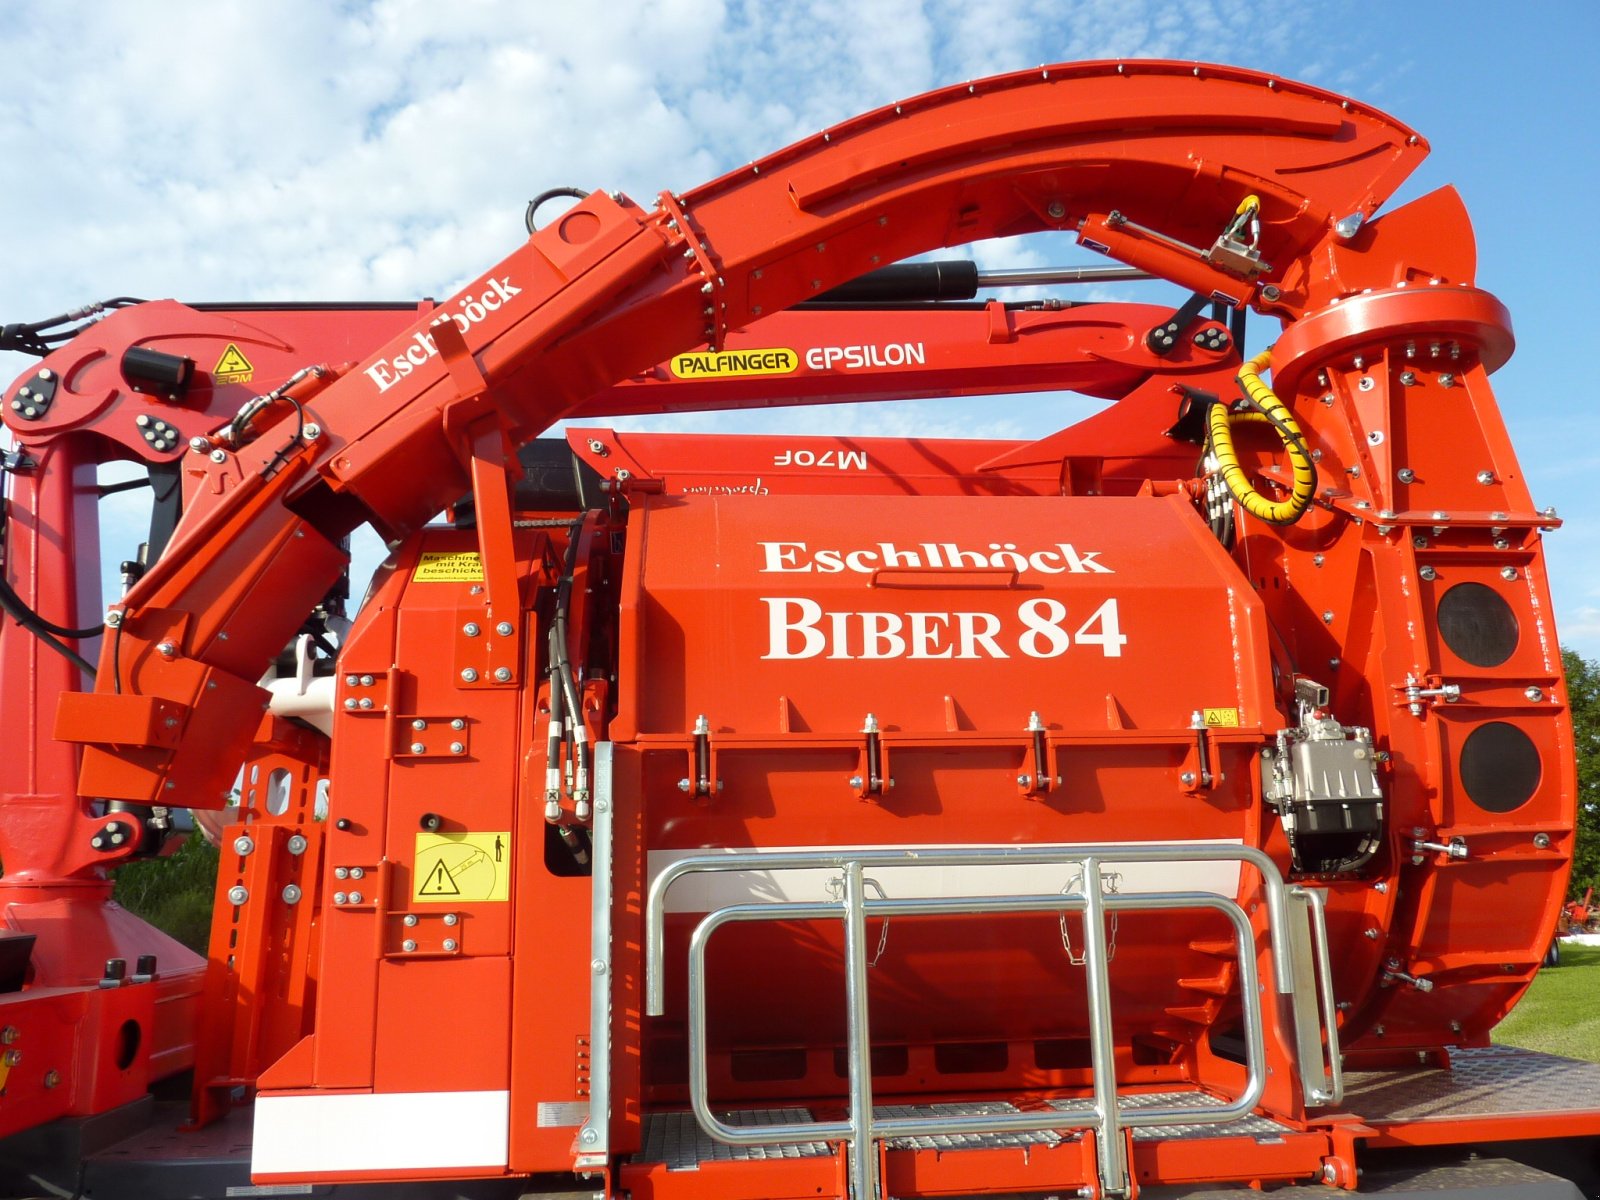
863,1131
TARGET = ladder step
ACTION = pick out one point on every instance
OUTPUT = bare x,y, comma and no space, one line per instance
1211,985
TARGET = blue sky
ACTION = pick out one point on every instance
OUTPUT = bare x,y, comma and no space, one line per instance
307,150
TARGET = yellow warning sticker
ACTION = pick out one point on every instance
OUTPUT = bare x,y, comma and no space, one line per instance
456,868
1222,718
232,367
731,364
448,566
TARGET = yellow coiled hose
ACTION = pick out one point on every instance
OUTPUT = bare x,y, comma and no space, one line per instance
1275,413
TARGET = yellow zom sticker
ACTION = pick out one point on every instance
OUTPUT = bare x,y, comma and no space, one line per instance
730,364
1217,718
232,367
454,868
448,566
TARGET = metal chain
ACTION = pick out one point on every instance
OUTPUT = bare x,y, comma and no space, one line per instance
836,891
1110,882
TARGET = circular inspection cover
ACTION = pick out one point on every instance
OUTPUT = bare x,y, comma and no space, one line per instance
1477,624
1500,767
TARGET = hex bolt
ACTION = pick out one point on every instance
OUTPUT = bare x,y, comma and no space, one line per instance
243,845
1486,477
1408,378
341,872
52,1079
419,723
219,456
450,945
13,1057
1371,935
471,629
408,945
505,629
1406,475
349,701
166,649
291,893
684,785
598,966
855,782
596,446
1187,778
1024,780
9,1035
1428,573
502,674
238,894
457,748
410,918
365,702
1327,617
1533,693
352,680
338,897
297,844
1508,572
355,897
357,873
1541,841
1447,380
366,681
458,723
451,918
589,1137
312,431
1056,209
469,676
418,748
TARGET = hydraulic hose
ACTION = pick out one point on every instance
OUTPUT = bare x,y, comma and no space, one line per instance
1267,407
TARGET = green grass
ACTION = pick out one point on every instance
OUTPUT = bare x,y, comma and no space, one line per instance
1561,1012
174,894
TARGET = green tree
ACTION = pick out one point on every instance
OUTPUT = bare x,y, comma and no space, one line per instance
1583,695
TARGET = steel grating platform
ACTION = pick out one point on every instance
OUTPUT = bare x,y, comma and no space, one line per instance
965,1141
1491,1081
1262,1129
675,1139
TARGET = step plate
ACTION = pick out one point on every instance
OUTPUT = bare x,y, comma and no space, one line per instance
673,1138
964,1141
1262,1129
1490,1081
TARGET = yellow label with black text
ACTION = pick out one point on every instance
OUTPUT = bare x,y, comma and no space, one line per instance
1222,718
732,364
448,566
461,868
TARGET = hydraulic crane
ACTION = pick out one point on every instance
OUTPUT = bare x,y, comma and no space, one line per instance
1177,799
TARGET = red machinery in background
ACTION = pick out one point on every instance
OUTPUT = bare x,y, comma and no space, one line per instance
1179,799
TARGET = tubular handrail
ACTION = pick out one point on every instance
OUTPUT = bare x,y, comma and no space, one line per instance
810,860
863,1130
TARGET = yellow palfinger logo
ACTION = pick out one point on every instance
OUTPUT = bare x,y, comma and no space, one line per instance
732,364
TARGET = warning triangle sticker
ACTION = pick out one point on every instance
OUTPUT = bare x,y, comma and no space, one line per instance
233,366
439,882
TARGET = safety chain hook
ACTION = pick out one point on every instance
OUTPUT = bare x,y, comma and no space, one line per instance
1110,884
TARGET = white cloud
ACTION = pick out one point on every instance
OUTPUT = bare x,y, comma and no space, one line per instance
219,149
